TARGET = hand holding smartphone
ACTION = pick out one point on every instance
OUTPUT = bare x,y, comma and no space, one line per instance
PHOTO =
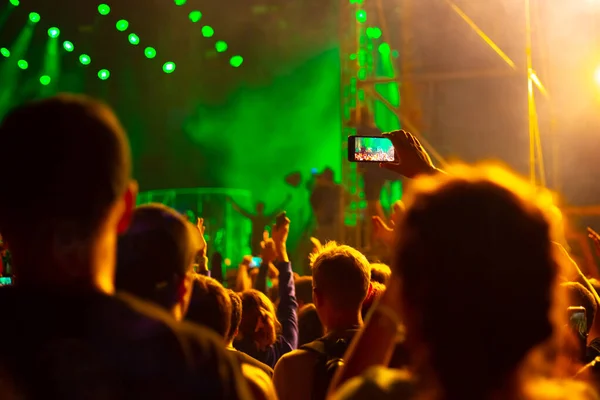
375,149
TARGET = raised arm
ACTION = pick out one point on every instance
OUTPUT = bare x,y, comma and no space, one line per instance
287,312
415,160
239,209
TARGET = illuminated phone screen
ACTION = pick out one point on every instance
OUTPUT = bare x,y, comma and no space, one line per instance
373,149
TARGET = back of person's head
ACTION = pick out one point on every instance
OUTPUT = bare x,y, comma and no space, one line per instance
310,327
259,321
156,255
341,277
478,275
210,306
236,315
304,287
380,273
66,171
578,296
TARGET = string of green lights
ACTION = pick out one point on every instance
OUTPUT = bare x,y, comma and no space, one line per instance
208,31
53,33
122,25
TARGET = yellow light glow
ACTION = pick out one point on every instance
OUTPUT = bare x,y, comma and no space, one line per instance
597,76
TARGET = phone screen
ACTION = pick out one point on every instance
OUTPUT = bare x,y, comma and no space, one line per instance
5,281
256,261
370,149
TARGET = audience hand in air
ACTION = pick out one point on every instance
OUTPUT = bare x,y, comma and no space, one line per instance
413,159
274,247
383,231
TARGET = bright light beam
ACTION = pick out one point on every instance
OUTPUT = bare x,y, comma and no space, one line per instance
597,76
536,80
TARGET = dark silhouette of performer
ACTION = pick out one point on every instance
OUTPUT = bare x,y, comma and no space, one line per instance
260,221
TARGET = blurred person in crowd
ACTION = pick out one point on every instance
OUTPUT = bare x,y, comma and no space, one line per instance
304,287
156,256
501,231
210,305
216,266
376,291
341,281
380,273
310,327
67,334
213,306
263,334
234,329
326,202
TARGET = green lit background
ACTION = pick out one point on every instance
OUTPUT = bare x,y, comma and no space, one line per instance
231,101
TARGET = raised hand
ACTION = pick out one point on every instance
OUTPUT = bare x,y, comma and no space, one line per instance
413,159
383,231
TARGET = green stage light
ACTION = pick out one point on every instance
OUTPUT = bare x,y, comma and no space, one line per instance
23,64
384,48
68,46
104,9
361,16
236,61
180,2
169,67
103,74
122,25
221,46
34,17
5,52
85,59
134,39
15,2
45,80
53,32
150,52
207,31
195,16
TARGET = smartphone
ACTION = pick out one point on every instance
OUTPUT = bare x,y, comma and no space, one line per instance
5,281
578,320
256,261
371,149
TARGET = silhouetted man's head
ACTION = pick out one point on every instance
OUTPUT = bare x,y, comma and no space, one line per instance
478,276
210,306
156,255
341,277
260,208
65,189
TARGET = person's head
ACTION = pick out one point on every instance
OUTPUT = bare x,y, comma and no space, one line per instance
66,191
310,327
380,273
341,278
155,257
478,277
259,321
377,289
236,316
578,296
304,287
210,306
260,208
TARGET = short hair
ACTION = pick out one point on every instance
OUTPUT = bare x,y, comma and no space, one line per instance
155,254
65,161
380,273
210,305
341,274
304,287
579,296
471,234
310,327
236,314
